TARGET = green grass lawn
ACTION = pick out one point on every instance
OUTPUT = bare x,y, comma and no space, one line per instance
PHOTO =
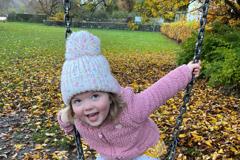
19,40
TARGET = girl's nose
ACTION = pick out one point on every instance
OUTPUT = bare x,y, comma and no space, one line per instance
88,106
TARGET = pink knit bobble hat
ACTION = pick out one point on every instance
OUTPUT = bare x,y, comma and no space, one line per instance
85,68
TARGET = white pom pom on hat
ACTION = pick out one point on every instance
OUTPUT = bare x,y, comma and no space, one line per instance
82,43
85,68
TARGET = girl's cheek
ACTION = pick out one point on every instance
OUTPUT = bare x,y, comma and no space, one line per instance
77,111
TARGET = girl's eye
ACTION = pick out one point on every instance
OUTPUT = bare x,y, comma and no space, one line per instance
76,101
95,97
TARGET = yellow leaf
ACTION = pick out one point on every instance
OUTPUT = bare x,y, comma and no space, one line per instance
182,135
36,155
209,143
233,149
215,156
162,136
196,137
172,119
215,127
59,155
238,137
49,124
220,151
27,156
18,146
38,146
219,116
213,120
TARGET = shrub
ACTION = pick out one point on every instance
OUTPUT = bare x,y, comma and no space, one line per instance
100,15
179,31
119,14
186,54
220,55
210,49
226,72
133,26
59,16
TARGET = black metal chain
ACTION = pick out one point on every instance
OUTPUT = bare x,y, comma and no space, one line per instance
67,18
68,22
80,154
172,149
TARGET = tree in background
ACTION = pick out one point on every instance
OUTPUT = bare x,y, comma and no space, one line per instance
3,6
85,10
225,11
97,10
48,7
126,5
160,8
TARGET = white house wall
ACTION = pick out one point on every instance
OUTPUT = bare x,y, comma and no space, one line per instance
193,12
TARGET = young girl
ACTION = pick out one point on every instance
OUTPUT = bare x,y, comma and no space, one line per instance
113,120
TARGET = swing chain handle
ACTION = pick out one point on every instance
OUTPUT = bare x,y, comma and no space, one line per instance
80,154
68,22
67,18
172,149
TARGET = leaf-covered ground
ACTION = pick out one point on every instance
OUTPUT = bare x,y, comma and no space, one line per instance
31,56
30,99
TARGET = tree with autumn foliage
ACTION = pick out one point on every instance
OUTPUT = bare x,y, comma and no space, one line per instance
161,8
226,11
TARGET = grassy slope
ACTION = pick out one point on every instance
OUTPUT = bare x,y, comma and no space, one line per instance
25,39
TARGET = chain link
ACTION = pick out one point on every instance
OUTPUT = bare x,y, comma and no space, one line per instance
67,18
78,141
68,22
172,149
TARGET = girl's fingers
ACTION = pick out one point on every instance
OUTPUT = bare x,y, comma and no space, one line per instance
195,67
196,72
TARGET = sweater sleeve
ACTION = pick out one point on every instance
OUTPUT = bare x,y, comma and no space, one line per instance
67,127
146,102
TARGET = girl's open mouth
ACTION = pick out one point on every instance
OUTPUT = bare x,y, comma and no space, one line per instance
93,116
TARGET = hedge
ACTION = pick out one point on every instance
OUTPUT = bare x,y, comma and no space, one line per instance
179,31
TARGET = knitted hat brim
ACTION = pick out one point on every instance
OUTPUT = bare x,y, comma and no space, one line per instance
88,73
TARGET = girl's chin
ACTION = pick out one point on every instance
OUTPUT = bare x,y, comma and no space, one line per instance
95,124
93,121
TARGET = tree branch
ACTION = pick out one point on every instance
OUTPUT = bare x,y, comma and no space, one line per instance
232,6
238,2
48,6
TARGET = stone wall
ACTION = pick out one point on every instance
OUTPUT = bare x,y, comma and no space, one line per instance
26,17
106,25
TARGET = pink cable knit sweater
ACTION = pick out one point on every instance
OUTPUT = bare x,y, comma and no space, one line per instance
132,132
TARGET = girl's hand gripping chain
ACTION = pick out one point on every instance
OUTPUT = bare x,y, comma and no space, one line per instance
67,115
195,68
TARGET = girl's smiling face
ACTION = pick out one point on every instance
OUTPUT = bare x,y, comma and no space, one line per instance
91,107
